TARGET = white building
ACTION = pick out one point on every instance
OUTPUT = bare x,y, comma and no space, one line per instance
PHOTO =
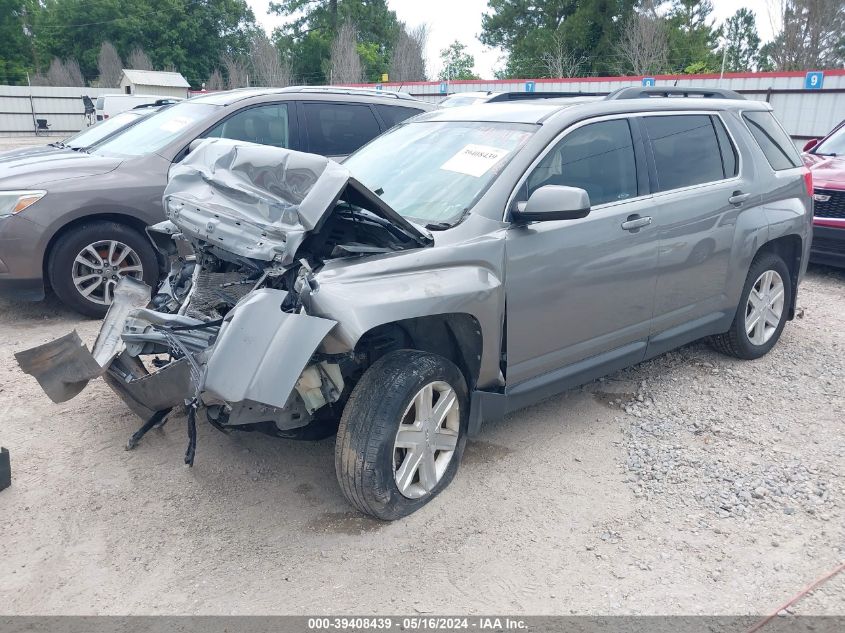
154,82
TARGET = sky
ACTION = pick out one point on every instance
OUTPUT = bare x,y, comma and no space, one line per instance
450,20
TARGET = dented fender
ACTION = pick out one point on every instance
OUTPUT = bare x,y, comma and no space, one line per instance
261,351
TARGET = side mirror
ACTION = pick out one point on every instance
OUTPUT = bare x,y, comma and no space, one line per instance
553,202
811,144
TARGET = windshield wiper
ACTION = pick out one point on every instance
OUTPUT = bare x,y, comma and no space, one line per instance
58,144
826,154
438,226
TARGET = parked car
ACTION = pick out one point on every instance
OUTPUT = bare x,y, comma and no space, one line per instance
826,159
84,139
466,264
107,106
76,220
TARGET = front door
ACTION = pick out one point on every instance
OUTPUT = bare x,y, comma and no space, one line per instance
577,289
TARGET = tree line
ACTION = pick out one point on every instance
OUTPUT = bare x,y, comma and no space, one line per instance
218,43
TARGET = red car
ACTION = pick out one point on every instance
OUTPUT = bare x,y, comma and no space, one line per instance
826,160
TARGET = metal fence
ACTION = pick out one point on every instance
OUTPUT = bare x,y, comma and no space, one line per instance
21,106
808,104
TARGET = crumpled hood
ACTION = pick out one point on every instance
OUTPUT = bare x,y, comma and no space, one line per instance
828,171
259,201
41,169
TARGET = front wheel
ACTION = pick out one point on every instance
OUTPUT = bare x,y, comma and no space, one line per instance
402,433
762,312
88,261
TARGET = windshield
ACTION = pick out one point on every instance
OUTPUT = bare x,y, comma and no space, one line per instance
433,172
157,130
96,133
834,145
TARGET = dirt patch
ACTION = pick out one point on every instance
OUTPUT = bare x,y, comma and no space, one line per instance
691,484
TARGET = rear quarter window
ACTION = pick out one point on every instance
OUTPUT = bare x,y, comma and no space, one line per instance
394,115
776,145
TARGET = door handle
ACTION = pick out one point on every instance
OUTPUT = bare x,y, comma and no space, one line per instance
636,222
738,197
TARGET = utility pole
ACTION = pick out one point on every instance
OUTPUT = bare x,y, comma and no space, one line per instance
31,105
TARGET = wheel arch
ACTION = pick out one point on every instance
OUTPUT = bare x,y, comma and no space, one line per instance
456,336
790,248
120,218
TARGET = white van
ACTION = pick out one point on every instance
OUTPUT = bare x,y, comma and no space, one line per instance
109,105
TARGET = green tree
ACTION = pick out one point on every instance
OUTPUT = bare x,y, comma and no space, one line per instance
528,29
16,50
189,35
457,63
742,44
692,38
312,26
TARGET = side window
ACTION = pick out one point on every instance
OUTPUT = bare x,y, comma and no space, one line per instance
394,115
776,145
685,148
338,129
267,125
730,164
598,158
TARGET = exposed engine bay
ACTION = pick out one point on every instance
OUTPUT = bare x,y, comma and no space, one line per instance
229,332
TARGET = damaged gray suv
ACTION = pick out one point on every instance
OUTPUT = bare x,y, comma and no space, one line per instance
468,263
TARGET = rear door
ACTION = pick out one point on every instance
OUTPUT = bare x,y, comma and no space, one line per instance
700,191
582,291
335,128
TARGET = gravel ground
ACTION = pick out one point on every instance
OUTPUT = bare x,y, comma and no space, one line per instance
690,484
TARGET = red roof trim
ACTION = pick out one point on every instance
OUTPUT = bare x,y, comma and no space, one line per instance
836,72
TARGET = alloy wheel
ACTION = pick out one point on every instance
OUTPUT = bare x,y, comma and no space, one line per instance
764,309
99,267
426,439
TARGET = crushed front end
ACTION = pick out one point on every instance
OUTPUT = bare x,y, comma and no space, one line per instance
228,334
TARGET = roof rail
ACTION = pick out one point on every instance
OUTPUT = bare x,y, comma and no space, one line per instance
638,92
356,91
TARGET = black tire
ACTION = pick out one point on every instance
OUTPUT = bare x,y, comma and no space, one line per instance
64,252
364,449
736,342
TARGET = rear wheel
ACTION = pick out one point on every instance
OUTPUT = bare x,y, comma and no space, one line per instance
88,261
762,312
402,433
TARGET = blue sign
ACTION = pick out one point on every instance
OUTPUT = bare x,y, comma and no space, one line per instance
444,87
379,87
649,82
530,86
814,80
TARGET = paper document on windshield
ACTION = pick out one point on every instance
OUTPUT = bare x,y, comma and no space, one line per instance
474,160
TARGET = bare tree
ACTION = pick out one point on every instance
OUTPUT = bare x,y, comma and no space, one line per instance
808,34
110,66
408,60
74,72
139,60
345,61
237,73
60,73
643,46
215,81
558,61
269,69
